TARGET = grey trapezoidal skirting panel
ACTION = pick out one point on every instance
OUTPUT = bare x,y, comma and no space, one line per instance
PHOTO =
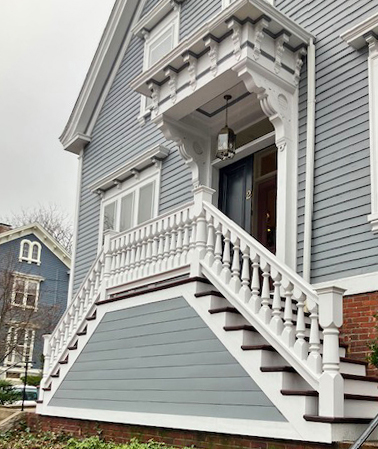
161,358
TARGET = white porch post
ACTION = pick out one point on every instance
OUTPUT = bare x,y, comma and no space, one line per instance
201,194
331,389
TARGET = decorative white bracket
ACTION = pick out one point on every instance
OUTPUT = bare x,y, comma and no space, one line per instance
191,60
280,48
259,35
213,45
171,73
298,64
155,95
236,28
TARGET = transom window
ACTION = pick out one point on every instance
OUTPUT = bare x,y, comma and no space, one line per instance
19,348
25,293
134,203
30,252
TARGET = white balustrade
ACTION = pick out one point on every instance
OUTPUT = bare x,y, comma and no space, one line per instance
271,296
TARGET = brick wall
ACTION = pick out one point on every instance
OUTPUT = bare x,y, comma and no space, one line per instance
359,325
122,433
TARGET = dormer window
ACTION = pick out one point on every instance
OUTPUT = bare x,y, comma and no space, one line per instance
30,252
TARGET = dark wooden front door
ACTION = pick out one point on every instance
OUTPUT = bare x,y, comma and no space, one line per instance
235,192
247,195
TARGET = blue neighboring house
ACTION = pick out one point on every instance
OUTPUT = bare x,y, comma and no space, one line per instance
34,272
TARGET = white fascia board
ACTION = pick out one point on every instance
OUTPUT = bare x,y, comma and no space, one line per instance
131,167
36,229
102,65
77,143
356,35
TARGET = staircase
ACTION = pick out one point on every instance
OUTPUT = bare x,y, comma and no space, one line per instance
283,332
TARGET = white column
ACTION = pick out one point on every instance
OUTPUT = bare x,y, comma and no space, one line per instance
373,111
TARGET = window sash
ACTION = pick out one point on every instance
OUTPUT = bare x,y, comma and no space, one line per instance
25,293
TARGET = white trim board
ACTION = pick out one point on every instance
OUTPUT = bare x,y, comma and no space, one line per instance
354,285
45,238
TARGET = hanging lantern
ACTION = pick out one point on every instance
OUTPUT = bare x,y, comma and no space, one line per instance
226,138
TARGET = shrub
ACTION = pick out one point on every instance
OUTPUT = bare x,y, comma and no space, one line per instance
372,357
7,394
32,380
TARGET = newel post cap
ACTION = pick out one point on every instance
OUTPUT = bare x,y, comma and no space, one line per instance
201,194
330,306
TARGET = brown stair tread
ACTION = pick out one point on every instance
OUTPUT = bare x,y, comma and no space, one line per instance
92,318
73,347
341,420
358,377
360,397
209,293
277,369
47,388
241,327
228,309
355,362
83,332
258,347
39,401
56,375
64,362
299,393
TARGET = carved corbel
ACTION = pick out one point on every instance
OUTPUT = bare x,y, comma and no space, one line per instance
193,146
298,64
191,60
100,193
135,173
236,27
171,73
117,183
280,49
213,45
259,35
155,95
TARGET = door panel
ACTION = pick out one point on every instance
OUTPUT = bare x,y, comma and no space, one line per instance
235,189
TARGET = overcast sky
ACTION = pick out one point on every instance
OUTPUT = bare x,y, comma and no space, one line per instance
46,47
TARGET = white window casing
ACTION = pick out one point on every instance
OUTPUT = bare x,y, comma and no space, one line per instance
30,252
25,292
132,202
366,33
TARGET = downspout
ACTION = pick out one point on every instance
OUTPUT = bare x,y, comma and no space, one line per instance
76,227
310,158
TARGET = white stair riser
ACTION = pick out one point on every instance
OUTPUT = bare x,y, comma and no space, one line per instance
361,387
352,368
293,381
361,409
232,319
270,358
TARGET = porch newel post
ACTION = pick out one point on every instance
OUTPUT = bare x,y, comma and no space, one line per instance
331,388
201,194
46,363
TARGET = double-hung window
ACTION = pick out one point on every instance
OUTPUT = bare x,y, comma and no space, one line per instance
25,292
19,347
135,202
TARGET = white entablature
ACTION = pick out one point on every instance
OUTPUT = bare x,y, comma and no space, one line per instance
251,31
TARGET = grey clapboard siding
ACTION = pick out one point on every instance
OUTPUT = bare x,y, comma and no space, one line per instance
148,359
343,244
196,12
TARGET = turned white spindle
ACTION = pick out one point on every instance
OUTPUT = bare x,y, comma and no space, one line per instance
137,254
143,253
149,237
314,359
265,311
301,345
245,291
118,256
210,244
126,270
82,299
122,260
132,258
255,283
155,246
288,334
173,241
192,240
160,254
235,282
113,252
167,244
185,241
276,321
180,235
226,260
217,265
